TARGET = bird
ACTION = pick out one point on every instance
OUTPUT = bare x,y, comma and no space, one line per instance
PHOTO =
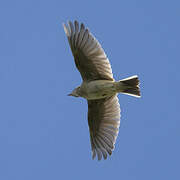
99,88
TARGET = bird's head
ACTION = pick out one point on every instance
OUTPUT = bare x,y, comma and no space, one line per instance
75,92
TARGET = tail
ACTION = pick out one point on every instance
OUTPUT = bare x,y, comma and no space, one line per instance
129,86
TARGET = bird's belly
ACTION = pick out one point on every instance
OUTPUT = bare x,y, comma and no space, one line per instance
98,89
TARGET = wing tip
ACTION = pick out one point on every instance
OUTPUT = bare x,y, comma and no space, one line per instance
66,30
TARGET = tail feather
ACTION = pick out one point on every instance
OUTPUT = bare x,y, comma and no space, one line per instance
130,86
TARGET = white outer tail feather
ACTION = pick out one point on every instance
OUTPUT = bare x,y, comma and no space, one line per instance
129,86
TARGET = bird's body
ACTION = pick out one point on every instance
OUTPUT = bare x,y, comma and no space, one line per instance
99,88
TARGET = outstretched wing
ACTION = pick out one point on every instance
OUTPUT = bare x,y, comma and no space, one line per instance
104,122
90,59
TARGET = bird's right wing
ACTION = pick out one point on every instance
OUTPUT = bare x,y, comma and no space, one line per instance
90,58
104,122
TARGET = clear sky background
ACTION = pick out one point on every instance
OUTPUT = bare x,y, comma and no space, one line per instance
44,133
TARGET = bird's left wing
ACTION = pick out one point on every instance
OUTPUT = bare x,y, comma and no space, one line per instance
90,58
104,122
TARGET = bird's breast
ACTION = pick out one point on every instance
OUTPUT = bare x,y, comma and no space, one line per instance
97,89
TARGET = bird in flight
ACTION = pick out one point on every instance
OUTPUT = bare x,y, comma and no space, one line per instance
99,88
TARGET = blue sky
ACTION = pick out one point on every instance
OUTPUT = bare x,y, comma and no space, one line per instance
44,133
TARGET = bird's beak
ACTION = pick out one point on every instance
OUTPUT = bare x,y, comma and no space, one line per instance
70,94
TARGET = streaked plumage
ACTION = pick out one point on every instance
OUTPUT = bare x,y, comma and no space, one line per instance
99,88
